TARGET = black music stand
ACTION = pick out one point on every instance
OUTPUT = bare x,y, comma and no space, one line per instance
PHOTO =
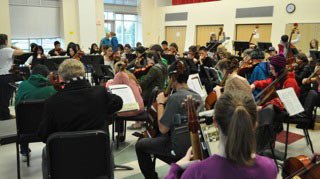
212,46
170,58
264,46
240,46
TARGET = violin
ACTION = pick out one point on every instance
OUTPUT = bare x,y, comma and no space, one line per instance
55,81
247,67
212,97
302,167
139,72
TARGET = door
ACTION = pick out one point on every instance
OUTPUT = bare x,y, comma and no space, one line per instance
244,31
176,34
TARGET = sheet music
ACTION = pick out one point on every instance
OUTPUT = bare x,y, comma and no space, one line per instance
127,96
194,83
290,100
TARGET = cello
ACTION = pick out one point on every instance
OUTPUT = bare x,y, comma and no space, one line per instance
255,31
302,167
290,47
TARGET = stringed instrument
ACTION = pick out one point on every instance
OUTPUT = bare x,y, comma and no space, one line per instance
290,47
269,92
139,72
194,127
301,167
55,81
255,31
151,130
220,33
212,98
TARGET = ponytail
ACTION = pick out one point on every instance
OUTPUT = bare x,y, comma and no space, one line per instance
239,149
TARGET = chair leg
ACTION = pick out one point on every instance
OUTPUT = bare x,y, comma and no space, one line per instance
286,145
309,140
18,160
113,130
274,156
28,159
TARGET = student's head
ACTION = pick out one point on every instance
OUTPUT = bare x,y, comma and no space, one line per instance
78,47
227,66
236,116
120,66
33,47
72,50
107,50
113,34
284,38
257,54
193,51
140,51
173,48
120,48
277,64
40,70
57,45
247,54
94,48
157,48
203,51
39,50
153,58
302,58
178,72
138,44
272,51
3,39
213,37
127,49
314,44
164,45
107,35
71,68
236,84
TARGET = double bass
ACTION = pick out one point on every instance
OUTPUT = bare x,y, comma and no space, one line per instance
220,33
255,31
290,47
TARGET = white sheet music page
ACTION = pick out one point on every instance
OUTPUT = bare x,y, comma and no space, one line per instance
290,100
127,96
194,84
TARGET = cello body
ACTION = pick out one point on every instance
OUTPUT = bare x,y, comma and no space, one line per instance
301,167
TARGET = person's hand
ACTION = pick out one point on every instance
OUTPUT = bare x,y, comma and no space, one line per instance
305,81
253,86
56,53
161,99
217,88
186,160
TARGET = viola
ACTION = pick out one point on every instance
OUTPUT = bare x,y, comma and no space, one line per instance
55,81
301,167
212,97
139,72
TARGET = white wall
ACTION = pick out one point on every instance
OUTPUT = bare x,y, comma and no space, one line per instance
5,18
223,12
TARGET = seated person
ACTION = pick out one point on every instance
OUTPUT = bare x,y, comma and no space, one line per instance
162,145
174,50
236,117
165,47
36,87
57,51
94,50
77,107
208,76
36,58
127,49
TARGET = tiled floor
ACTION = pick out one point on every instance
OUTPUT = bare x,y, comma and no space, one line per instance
124,155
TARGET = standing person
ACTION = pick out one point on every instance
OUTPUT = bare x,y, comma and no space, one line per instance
57,51
105,40
284,43
36,58
165,47
236,117
6,55
114,42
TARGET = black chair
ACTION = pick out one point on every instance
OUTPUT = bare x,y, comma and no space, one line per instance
28,117
81,155
301,120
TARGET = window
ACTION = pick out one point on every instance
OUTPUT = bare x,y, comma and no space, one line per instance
47,44
124,25
122,2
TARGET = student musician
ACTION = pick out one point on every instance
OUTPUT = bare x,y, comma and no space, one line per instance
36,58
127,49
57,51
33,47
155,77
314,44
72,51
213,38
6,55
208,76
165,47
302,70
236,117
94,49
193,60
107,54
141,60
162,145
120,52
157,48
285,43
174,50
271,52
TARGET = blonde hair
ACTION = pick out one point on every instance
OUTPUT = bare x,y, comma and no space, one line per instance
121,66
71,68
237,84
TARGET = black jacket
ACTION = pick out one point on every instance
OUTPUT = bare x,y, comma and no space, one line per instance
78,107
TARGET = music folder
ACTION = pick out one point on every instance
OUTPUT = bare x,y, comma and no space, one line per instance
194,83
290,100
127,96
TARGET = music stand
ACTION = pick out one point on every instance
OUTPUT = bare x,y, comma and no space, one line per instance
240,46
21,59
169,58
264,46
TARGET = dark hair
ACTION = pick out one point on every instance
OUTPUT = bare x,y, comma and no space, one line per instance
73,47
56,43
3,39
92,51
154,55
302,57
35,53
317,43
33,46
164,43
140,49
284,38
40,70
203,48
157,48
127,45
180,78
257,54
138,44
175,46
78,46
194,50
236,115
121,47
230,64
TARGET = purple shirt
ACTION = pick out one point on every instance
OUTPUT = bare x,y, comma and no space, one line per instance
219,167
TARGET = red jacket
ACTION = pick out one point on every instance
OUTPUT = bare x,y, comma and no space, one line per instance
289,82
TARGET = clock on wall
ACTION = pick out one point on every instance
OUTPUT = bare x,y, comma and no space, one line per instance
291,8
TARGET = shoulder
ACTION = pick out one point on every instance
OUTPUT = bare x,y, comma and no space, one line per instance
209,165
266,164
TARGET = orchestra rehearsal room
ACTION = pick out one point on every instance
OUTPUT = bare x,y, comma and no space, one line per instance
159,89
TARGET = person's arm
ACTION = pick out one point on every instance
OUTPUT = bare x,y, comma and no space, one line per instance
46,126
260,84
297,39
164,124
304,74
16,51
148,78
29,61
114,102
